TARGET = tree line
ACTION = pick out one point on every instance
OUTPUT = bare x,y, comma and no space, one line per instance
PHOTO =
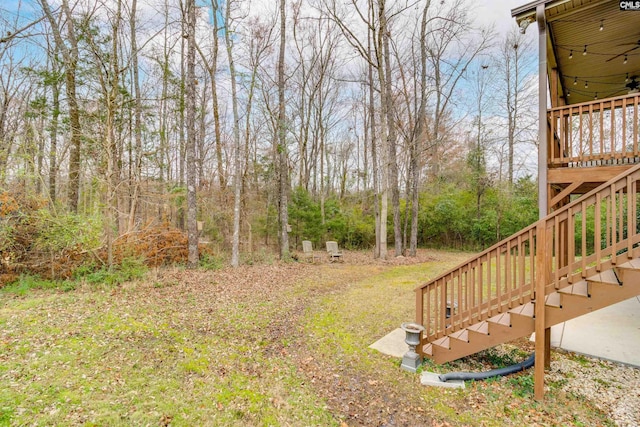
259,124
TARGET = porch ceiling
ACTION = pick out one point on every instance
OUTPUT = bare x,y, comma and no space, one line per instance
574,26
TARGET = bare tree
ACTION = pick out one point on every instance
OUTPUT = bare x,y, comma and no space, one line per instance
109,73
210,63
10,87
372,52
137,118
453,44
192,208
54,83
283,166
384,35
514,63
70,58
418,134
237,161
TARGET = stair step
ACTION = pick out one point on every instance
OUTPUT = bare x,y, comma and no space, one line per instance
630,277
462,335
554,299
527,309
427,350
501,319
608,276
479,328
442,342
632,264
580,288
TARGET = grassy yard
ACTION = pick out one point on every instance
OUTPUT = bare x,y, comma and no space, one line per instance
269,345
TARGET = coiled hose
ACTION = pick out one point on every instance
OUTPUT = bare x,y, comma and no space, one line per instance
478,376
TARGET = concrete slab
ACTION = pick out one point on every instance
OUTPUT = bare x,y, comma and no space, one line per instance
611,333
432,379
392,344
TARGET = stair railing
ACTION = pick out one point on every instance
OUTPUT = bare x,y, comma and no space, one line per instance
595,133
589,235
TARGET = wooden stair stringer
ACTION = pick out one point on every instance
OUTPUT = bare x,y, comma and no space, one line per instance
595,292
602,291
484,334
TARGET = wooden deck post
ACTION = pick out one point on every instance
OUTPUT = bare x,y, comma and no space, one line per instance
543,148
419,306
541,232
420,318
540,330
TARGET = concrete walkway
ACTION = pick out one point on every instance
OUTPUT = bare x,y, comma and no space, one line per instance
392,344
611,333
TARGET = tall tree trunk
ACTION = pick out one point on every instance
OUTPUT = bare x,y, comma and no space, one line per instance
384,179
192,225
114,108
374,150
137,120
214,101
182,145
70,57
109,77
418,135
392,161
283,168
237,173
162,161
40,155
74,112
53,130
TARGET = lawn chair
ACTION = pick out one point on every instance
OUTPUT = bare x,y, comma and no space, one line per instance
307,251
334,252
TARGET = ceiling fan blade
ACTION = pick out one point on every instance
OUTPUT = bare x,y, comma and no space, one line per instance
623,53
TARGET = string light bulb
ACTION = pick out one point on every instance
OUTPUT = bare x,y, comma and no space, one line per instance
575,81
571,54
568,94
596,96
626,59
586,85
602,25
584,52
626,78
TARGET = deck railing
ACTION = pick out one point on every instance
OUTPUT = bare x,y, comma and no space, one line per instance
589,235
596,133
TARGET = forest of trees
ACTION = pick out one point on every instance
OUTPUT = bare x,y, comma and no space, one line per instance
252,125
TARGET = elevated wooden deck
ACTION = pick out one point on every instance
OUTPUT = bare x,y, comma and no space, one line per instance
591,143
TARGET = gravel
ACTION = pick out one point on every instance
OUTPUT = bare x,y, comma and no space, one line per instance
611,387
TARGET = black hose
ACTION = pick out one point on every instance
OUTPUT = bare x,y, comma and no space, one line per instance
477,376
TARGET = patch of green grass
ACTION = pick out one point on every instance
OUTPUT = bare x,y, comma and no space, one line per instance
522,384
558,384
26,283
210,262
328,328
581,359
500,357
6,413
604,383
129,269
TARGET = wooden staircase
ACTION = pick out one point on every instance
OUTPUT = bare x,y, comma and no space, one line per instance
583,257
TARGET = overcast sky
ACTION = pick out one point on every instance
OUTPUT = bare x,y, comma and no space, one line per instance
498,12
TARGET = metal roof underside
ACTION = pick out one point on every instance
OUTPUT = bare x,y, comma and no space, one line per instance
612,57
